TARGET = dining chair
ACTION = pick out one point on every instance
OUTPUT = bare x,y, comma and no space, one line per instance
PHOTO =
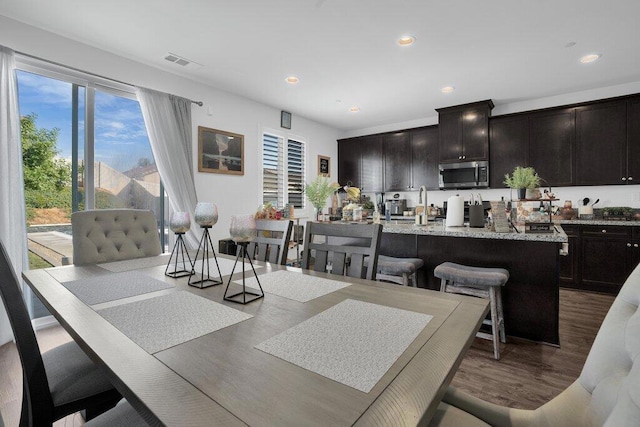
271,243
607,392
122,415
56,383
342,248
105,235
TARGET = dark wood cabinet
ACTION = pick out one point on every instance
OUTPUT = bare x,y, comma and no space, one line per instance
509,138
397,161
569,263
371,168
551,146
360,162
633,141
464,132
601,143
424,154
606,257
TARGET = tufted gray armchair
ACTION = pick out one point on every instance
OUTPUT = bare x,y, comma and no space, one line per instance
607,392
113,235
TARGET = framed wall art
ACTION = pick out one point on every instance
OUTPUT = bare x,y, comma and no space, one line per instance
324,166
220,151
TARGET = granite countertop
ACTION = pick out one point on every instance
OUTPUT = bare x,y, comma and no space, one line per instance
438,228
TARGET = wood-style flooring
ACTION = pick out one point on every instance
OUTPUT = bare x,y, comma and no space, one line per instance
527,375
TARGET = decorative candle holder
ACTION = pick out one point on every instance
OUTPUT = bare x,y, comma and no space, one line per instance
179,224
206,217
243,231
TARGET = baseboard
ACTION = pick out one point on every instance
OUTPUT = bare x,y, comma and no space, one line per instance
43,322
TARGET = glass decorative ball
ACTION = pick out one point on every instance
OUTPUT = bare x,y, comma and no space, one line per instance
206,214
180,222
243,228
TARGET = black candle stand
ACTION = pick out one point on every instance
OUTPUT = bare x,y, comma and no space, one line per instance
205,245
242,252
179,249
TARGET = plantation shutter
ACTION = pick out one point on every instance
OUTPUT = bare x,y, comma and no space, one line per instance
272,171
295,173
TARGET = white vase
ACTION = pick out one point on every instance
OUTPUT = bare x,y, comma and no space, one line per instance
180,222
243,228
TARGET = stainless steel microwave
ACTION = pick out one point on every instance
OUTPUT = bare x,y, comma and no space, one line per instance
464,175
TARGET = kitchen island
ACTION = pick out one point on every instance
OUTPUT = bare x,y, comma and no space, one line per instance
531,296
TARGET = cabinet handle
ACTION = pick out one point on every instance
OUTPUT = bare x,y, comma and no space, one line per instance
630,178
464,157
460,158
624,179
604,231
628,245
635,245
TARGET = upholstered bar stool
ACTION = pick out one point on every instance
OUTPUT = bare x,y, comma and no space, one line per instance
398,270
479,282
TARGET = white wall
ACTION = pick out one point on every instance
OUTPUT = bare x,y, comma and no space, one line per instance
233,194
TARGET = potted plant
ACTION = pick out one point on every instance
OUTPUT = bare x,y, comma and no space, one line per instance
521,179
318,191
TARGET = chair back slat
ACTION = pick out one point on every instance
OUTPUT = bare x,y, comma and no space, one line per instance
37,407
271,243
345,246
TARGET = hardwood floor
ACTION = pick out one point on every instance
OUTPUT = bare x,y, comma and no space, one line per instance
527,375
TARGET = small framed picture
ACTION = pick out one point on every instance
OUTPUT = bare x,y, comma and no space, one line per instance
324,166
220,151
285,119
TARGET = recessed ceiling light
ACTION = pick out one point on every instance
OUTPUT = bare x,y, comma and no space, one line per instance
592,57
292,80
448,89
407,40
354,109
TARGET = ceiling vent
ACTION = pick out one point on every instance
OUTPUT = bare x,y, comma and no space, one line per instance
179,60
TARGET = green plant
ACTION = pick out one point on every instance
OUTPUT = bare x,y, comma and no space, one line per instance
522,178
617,211
319,190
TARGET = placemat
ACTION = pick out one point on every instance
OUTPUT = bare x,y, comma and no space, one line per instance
354,342
225,266
295,286
110,287
134,264
158,323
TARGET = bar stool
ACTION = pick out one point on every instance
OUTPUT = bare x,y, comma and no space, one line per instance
478,282
398,270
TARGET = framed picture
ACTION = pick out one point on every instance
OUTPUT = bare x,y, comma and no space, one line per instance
220,151
324,166
285,119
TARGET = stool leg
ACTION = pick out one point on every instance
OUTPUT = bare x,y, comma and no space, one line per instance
405,279
495,323
443,285
414,280
503,336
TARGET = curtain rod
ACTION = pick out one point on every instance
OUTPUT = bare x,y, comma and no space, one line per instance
198,103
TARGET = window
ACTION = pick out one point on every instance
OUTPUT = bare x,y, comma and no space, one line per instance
85,146
283,167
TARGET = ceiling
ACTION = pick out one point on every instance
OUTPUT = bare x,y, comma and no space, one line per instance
345,52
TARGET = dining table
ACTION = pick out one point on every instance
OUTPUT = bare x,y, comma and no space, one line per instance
317,349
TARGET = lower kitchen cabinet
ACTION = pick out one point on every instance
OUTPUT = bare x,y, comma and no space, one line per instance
600,257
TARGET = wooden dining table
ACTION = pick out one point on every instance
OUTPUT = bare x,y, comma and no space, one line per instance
226,377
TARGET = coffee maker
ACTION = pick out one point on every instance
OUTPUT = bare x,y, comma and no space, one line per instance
395,206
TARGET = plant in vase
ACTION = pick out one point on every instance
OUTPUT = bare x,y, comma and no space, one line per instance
318,191
522,179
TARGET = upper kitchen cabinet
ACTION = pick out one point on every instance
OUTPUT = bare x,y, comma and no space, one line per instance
371,169
360,162
552,146
509,138
464,132
424,164
397,161
601,143
633,141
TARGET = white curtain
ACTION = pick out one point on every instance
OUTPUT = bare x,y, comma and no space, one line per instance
168,122
12,216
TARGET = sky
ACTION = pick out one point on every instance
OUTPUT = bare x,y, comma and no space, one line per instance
120,134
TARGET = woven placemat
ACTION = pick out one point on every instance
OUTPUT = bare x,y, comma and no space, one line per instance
354,342
293,285
111,287
158,323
